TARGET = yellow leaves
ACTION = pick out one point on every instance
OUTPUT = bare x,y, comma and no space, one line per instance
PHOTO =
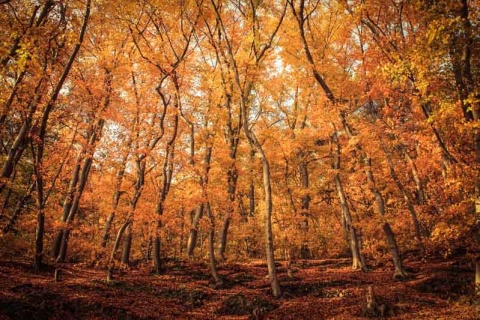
444,232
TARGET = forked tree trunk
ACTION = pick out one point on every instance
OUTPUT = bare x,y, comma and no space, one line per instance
244,91
167,179
116,245
73,206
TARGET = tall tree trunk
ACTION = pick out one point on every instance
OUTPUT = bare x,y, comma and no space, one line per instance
167,180
74,208
469,97
244,91
358,261
211,247
399,271
67,203
232,186
411,208
116,197
233,137
192,240
272,274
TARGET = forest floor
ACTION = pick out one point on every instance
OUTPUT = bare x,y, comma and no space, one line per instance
319,289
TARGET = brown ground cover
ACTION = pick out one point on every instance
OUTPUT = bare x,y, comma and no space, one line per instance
320,289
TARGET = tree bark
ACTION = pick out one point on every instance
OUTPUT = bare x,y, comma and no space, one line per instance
358,261
116,196
211,247
116,245
192,238
127,245
399,271
411,208
421,195
18,209
244,93
233,137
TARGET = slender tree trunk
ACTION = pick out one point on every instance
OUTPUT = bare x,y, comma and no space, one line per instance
358,261
272,273
233,137
305,208
116,245
211,247
108,226
18,209
116,197
421,195
39,239
62,254
223,237
251,199
192,238
232,186
244,91
67,203
156,254
399,271
73,209
127,245
411,208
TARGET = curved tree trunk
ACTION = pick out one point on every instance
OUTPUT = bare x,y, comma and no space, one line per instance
116,245
244,91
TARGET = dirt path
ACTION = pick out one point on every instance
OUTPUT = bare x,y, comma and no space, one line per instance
325,289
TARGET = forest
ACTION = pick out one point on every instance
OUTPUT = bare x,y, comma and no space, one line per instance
234,159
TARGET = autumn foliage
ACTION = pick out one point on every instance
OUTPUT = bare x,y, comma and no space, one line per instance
145,132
